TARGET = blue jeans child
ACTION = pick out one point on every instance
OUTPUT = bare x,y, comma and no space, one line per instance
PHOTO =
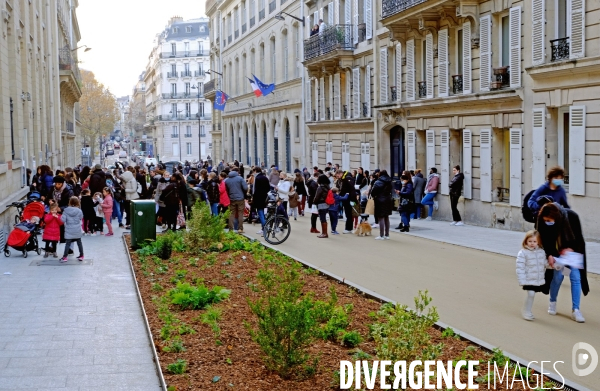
428,200
117,211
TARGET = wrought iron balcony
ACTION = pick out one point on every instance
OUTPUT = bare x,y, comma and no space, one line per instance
422,89
186,74
272,6
68,62
180,54
327,113
345,109
338,37
391,7
187,135
252,21
181,95
314,115
203,116
244,28
560,49
174,135
172,75
365,109
209,86
198,73
261,14
457,84
394,93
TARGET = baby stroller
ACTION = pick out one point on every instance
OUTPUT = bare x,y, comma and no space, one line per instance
24,236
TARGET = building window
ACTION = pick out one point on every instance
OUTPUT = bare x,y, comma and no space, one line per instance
253,62
173,110
186,69
175,30
202,131
188,29
202,29
201,109
188,110
188,90
188,131
273,62
173,88
175,131
175,149
188,147
459,52
297,127
262,61
505,41
173,70
297,50
285,57
563,140
173,49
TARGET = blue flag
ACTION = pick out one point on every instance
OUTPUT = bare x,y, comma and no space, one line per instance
220,100
265,89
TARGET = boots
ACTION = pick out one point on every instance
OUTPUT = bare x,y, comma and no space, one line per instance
324,230
314,231
526,311
313,224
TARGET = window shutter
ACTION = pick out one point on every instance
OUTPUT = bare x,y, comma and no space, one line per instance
383,76
365,157
368,89
345,156
443,63
336,8
485,49
538,148
337,96
467,57
410,70
328,152
330,14
445,162
467,163
317,106
322,98
515,47
515,166
315,154
412,150
538,31
577,27
429,64
348,95
355,21
485,165
356,93
368,19
398,72
321,14
577,150
348,12
308,101
430,138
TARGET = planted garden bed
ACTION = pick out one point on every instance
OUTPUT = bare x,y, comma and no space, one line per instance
218,305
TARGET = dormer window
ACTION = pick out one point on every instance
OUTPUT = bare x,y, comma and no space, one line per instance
201,29
175,30
188,29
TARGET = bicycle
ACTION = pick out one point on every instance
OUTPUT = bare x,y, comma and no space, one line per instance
277,227
20,205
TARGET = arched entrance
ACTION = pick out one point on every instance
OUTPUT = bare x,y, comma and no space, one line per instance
397,155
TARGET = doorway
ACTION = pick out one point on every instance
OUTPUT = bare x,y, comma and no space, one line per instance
397,158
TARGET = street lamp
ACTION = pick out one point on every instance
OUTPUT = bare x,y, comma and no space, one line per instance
209,71
87,49
279,16
178,130
197,87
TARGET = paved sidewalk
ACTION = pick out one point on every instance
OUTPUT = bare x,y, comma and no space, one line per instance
73,327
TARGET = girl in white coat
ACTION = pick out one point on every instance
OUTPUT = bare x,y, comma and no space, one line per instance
283,189
531,270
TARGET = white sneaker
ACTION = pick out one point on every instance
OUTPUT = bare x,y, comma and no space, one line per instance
428,218
459,223
386,237
379,238
577,317
259,232
435,205
527,315
453,223
347,232
374,225
552,308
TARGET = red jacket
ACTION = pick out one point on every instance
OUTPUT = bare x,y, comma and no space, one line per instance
224,197
52,229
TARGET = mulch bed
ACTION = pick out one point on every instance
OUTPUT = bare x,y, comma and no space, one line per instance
237,359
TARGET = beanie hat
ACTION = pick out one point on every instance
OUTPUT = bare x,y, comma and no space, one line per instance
58,179
97,167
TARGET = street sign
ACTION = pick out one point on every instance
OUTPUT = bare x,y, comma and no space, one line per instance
85,151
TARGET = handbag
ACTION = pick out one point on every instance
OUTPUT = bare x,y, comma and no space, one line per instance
370,208
314,210
180,217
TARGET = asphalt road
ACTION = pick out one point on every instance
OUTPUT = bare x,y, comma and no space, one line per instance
474,291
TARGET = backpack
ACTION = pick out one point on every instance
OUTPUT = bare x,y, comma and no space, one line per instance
213,192
330,200
528,214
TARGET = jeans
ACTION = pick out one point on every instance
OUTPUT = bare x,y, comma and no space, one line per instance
68,246
333,216
428,200
453,206
575,286
214,208
261,216
417,214
117,211
405,218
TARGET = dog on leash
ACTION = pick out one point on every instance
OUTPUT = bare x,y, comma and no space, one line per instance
363,229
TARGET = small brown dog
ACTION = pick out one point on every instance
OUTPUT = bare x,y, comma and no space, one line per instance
363,229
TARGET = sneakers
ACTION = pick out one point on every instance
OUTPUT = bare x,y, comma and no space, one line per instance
428,218
64,259
435,205
347,232
552,308
126,227
459,223
380,238
80,258
335,233
46,253
121,226
259,232
386,237
527,315
453,223
374,225
295,218
577,317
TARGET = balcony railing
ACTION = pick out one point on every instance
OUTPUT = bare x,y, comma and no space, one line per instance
244,28
186,74
181,95
261,14
187,135
209,86
457,84
183,54
203,116
67,62
560,49
365,109
422,89
394,93
391,7
338,37
198,73
272,6
172,75
252,21
502,78
174,135
171,117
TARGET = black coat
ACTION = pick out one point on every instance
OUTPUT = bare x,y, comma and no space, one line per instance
312,190
456,184
170,194
347,187
141,179
97,182
382,194
66,194
261,189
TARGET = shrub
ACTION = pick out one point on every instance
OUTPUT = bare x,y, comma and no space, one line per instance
204,229
175,346
178,367
211,318
402,334
163,245
336,324
351,339
197,297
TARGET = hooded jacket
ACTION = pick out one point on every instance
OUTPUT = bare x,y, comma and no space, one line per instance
558,195
130,186
236,186
531,267
433,180
382,194
72,217
52,227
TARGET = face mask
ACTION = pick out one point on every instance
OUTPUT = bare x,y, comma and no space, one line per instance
549,222
557,182
405,182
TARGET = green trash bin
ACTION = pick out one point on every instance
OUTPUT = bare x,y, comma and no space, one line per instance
143,222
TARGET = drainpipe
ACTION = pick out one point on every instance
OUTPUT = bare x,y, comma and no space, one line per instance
303,112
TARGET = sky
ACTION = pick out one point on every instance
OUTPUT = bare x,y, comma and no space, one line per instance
120,33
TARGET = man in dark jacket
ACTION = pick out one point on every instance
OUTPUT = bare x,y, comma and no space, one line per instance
259,195
419,189
97,180
61,192
312,190
236,190
347,187
456,185
141,179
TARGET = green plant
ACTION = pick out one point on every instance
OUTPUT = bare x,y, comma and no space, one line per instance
359,355
351,339
498,357
449,333
211,318
163,245
196,297
205,230
336,324
176,346
178,367
403,334
157,287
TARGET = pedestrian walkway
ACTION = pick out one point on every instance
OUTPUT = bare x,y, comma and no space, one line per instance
475,292
73,326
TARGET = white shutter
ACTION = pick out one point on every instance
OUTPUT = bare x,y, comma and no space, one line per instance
538,34
345,156
348,95
485,49
356,93
383,76
538,148
316,17
355,21
577,27
317,101
467,163
336,8
516,143
321,14
368,89
330,97
577,150
365,156
315,154
515,47
412,150
368,19
445,162
430,139
337,96
322,98
485,165
308,103
348,12
429,64
328,152
467,58
443,63
410,70
398,72
330,14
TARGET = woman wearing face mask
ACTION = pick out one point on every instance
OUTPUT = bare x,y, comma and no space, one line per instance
560,230
552,188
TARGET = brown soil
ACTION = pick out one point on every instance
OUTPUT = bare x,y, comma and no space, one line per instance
237,359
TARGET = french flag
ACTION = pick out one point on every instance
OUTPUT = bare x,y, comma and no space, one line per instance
255,88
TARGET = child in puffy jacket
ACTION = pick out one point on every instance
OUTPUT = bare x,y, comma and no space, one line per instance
107,209
334,209
52,230
531,270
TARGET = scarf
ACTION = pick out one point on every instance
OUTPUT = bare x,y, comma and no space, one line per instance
57,194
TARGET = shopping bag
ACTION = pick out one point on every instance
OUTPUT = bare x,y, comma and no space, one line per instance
314,210
370,208
180,217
